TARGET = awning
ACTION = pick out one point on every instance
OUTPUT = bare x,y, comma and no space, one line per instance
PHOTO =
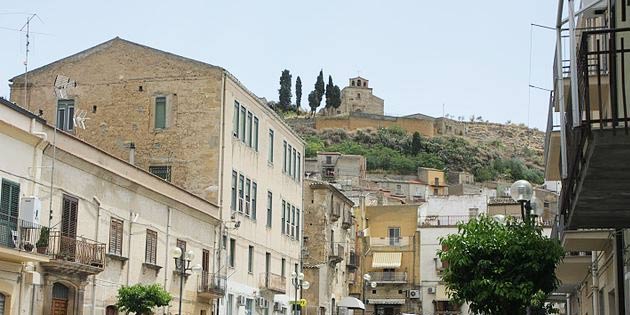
386,301
441,293
386,260
351,302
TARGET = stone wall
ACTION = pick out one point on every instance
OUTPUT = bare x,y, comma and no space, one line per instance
356,121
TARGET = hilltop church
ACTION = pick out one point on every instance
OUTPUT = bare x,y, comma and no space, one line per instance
357,97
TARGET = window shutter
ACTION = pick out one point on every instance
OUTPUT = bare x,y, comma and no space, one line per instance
10,200
160,112
151,247
69,216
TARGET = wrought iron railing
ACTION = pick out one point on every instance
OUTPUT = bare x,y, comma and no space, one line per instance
272,281
18,234
212,283
385,276
76,249
444,220
401,241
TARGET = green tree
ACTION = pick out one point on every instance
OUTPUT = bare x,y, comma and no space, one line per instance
330,93
319,85
298,93
284,93
313,101
416,143
500,268
141,299
336,97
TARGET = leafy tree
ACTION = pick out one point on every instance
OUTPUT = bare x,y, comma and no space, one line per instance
141,299
314,100
298,93
330,91
500,268
284,93
319,85
336,99
416,143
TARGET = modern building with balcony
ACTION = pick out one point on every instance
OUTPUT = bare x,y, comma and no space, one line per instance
391,254
77,223
587,149
330,257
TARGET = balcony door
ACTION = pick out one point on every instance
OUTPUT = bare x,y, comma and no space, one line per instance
69,227
60,296
394,236
267,268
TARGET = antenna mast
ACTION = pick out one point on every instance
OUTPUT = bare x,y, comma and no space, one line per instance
28,31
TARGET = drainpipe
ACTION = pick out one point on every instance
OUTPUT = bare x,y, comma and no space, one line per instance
568,304
166,258
39,146
595,287
573,64
132,218
98,223
619,261
221,175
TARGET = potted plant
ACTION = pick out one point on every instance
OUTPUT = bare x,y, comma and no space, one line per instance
42,243
28,247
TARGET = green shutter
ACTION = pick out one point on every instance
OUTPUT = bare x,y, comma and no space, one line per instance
10,199
160,112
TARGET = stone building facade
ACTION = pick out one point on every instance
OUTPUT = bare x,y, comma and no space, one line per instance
330,260
197,126
347,170
359,97
110,224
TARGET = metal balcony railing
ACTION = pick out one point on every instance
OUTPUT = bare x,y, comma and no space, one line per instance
273,282
18,234
386,276
353,261
76,249
442,221
212,283
401,241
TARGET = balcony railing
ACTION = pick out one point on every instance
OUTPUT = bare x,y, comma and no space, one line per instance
397,277
273,282
346,223
353,261
18,234
76,249
337,253
396,242
444,220
212,284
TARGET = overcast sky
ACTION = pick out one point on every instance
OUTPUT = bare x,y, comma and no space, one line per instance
473,57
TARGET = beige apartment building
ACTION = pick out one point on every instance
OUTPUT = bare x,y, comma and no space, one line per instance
330,258
197,126
77,223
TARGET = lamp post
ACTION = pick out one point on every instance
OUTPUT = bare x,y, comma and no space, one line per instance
297,279
182,265
523,193
367,281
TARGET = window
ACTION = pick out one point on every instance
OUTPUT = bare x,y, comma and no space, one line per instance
224,239
294,162
254,197
297,224
70,211
394,236
437,181
230,304
65,115
232,252
250,259
255,139
269,208
358,96
248,134
161,171
249,306
182,245
242,129
115,237
270,157
9,205
248,189
283,268
352,82
160,112
299,166
284,216
292,221
233,200
284,156
359,82
237,108
329,160
289,159
436,191
205,261
241,184
150,251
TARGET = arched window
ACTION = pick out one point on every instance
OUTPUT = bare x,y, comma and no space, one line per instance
352,82
111,310
2,301
365,84
60,291
359,82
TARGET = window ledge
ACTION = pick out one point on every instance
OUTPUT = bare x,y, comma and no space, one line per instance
151,266
117,257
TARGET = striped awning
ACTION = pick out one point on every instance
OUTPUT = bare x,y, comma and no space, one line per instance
386,260
386,301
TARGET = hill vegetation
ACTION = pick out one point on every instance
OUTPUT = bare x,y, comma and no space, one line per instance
489,151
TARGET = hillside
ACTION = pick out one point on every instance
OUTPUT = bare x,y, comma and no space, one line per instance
490,151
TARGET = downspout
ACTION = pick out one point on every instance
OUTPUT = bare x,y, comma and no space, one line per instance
221,174
168,237
560,99
98,224
131,220
38,147
595,286
573,64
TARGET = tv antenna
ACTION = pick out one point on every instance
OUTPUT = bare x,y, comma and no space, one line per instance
62,85
27,26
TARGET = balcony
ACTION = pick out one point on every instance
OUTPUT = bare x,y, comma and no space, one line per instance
211,285
74,255
394,243
18,239
595,193
336,254
273,282
346,223
335,213
353,261
444,221
389,277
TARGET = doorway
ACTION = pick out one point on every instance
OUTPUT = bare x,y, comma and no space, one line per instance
60,297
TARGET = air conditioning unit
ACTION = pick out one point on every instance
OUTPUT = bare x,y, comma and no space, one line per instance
277,307
262,303
431,290
30,207
414,294
241,300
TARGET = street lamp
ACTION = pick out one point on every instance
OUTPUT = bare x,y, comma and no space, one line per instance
182,265
297,279
523,193
367,281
